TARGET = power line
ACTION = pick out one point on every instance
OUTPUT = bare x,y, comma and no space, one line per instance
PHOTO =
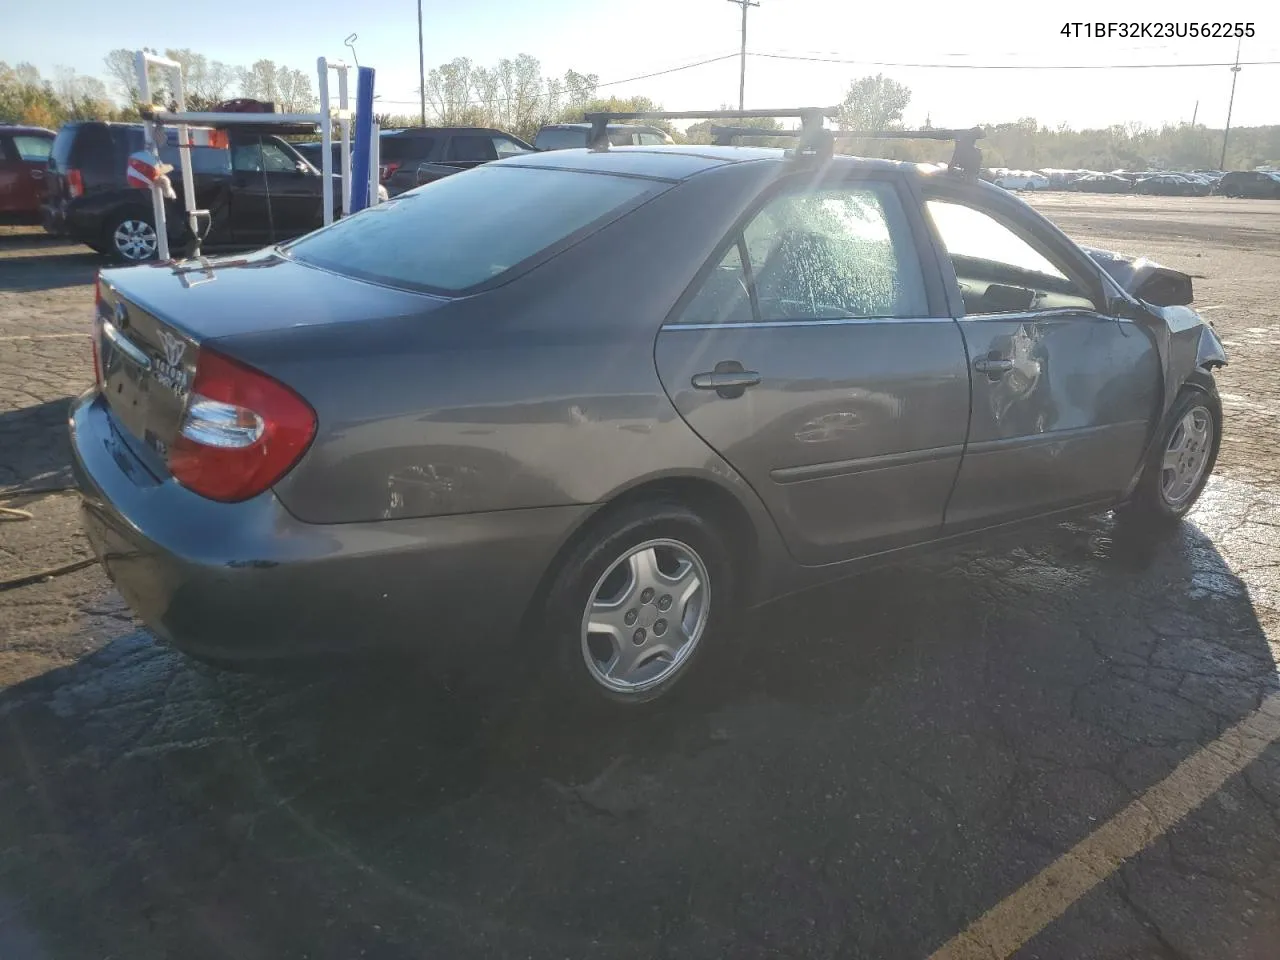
1016,66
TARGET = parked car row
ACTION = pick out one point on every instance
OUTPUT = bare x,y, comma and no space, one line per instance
412,156
1198,183
258,190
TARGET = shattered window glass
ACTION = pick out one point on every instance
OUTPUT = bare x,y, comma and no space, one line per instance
821,254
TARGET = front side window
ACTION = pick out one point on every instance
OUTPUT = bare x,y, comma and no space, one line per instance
830,253
256,156
997,269
471,228
506,147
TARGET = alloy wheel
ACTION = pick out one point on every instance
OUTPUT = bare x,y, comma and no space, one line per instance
645,616
135,240
1186,455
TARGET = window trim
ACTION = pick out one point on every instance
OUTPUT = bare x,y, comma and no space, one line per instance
932,280
1064,256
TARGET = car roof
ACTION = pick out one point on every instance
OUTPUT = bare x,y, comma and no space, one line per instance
681,161
612,126
24,128
439,131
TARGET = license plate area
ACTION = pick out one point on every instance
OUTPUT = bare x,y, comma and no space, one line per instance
126,379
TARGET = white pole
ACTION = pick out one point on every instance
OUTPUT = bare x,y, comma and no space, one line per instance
157,199
375,162
344,108
326,141
184,158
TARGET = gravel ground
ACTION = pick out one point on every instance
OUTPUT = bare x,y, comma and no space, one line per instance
864,774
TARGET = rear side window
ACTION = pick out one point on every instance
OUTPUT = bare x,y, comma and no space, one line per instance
469,147
470,228
562,139
398,149
32,148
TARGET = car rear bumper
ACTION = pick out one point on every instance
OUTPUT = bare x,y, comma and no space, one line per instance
248,581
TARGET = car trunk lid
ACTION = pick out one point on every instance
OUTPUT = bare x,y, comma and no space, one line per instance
153,320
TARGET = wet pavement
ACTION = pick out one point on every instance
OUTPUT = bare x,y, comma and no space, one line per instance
865,771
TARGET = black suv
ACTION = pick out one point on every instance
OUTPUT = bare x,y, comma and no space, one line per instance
259,191
417,155
566,136
1249,183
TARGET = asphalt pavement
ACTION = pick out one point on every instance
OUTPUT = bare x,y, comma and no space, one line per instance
1063,746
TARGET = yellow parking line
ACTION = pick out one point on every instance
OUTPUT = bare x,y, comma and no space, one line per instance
1004,928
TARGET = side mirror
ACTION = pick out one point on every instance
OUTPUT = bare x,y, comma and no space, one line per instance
302,166
1165,288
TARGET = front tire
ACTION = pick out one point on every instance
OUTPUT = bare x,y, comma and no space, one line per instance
1180,463
636,602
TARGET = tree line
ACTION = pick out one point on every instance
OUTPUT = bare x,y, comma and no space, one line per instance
514,95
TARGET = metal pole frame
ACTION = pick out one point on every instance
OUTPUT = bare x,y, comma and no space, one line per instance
142,60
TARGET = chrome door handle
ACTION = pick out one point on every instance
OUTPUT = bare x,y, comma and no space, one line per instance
992,366
729,379
37,174
719,381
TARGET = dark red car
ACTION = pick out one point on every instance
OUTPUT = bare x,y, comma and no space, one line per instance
24,153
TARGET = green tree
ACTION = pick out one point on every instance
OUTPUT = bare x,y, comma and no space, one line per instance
873,103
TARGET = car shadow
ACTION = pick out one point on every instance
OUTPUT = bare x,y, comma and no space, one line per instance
857,771
36,262
35,448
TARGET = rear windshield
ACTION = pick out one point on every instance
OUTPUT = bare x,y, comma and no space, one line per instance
563,139
470,228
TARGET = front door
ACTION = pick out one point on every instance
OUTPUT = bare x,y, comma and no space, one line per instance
1064,395
815,356
272,199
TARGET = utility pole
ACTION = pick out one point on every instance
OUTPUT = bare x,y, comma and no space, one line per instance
422,75
742,67
1194,112
1235,72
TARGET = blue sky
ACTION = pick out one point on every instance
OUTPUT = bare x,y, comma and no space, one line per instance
619,40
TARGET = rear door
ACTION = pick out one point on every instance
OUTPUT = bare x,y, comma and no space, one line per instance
1064,395
815,354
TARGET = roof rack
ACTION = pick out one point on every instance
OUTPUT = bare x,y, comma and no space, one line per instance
966,160
814,137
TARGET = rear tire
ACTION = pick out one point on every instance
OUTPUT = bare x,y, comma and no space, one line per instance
130,237
632,606
1179,464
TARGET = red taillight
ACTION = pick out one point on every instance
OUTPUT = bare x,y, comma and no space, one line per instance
97,332
386,170
241,430
75,183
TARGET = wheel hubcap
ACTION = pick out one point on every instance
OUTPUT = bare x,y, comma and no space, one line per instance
135,240
645,616
1186,455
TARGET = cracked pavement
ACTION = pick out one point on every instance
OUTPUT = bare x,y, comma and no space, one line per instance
865,772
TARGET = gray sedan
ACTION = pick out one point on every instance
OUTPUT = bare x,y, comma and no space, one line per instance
579,409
